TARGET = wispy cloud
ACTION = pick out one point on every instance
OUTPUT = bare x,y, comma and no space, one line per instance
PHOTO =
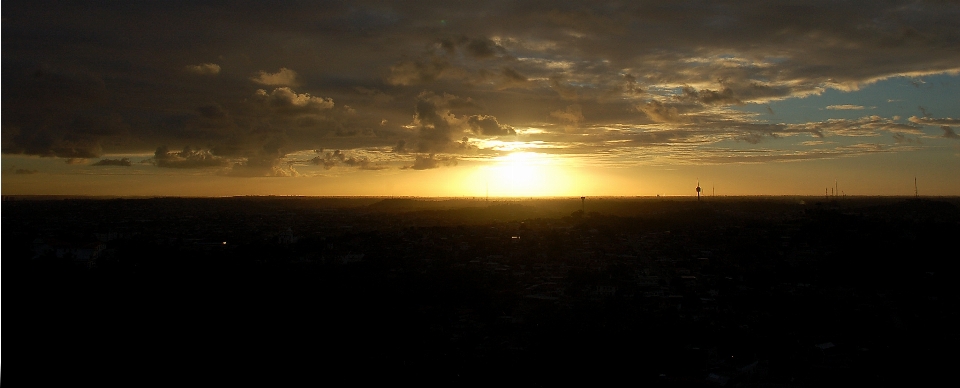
846,107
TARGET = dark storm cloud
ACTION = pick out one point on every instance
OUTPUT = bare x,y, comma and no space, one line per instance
82,80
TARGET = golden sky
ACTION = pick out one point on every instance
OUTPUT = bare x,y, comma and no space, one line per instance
482,98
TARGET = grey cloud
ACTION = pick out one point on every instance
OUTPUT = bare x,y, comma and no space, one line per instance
286,99
136,79
512,78
212,111
565,91
332,159
483,48
266,162
430,162
439,127
900,138
710,97
571,116
58,113
488,126
23,171
660,112
949,133
752,138
113,162
262,167
187,158
412,72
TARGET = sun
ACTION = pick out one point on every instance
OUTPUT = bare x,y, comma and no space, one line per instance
526,174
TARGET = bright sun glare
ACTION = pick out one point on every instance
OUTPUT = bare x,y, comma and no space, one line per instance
526,174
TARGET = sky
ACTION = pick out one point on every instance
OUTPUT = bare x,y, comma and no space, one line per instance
480,98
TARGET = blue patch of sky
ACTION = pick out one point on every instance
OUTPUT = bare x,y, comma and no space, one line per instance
938,95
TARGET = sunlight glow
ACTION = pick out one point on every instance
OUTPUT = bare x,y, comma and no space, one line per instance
525,174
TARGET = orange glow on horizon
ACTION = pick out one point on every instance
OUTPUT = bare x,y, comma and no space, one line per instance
522,174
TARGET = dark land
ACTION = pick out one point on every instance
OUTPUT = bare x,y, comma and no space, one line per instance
746,291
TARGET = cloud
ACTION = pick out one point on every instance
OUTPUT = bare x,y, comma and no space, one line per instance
933,121
845,107
286,99
563,89
22,171
268,161
412,72
187,158
335,158
284,77
113,162
431,162
203,69
949,133
900,138
511,78
864,126
710,97
488,126
571,116
483,48
262,167
440,129
669,74
64,134
660,113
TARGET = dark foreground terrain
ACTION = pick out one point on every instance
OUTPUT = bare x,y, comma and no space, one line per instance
764,292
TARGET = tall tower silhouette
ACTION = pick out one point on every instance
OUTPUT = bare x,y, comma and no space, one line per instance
698,189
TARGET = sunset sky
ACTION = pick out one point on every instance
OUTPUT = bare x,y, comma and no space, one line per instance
470,98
